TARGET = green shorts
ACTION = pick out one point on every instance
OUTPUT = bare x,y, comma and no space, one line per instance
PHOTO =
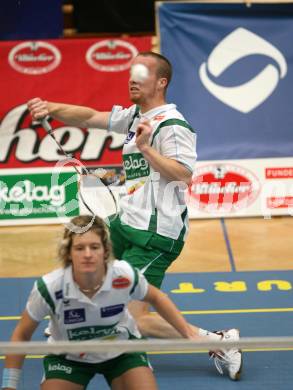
58,367
147,251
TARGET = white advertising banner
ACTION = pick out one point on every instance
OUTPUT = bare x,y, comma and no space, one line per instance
242,188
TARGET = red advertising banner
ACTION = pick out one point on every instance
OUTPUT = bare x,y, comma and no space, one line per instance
92,72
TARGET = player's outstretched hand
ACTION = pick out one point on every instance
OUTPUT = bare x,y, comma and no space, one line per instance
38,108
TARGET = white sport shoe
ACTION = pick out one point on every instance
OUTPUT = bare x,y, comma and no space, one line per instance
229,360
47,332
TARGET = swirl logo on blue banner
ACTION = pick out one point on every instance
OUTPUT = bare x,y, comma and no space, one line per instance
239,44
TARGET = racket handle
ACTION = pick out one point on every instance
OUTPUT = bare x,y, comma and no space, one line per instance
46,125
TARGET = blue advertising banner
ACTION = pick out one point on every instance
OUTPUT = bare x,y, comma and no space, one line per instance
31,19
233,76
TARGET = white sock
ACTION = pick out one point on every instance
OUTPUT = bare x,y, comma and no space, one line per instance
210,335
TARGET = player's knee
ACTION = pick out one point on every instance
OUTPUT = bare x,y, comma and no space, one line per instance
144,324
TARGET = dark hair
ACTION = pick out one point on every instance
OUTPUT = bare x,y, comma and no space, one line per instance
164,65
95,224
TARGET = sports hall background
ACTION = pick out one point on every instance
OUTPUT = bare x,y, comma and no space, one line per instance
233,272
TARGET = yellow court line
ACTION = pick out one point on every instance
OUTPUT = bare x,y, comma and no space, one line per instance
15,318
9,318
189,312
236,311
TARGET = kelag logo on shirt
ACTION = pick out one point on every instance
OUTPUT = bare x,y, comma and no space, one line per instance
74,316
92,332
135,166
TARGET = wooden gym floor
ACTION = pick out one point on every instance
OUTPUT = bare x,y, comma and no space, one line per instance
217,245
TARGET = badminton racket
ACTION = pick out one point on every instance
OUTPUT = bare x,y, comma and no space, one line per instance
94,190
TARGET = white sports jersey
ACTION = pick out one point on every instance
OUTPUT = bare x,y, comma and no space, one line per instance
151,202
73,316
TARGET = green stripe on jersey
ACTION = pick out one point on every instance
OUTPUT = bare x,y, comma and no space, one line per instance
136,112
171,122
153,224
135,280
183,230
45,294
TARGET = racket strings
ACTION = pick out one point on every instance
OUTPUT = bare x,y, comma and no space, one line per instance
87,180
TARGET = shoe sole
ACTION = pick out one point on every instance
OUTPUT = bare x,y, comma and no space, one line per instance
238,374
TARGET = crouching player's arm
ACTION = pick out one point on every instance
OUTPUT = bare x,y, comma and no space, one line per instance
13,363
168,310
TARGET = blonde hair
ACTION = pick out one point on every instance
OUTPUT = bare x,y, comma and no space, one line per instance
95,224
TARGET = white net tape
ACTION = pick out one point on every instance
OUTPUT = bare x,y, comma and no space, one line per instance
76,347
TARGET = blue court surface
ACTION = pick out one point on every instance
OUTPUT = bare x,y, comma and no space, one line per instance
258,303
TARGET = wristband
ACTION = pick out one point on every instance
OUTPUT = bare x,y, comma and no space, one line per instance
10,378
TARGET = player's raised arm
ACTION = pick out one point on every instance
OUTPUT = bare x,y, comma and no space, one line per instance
69,114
